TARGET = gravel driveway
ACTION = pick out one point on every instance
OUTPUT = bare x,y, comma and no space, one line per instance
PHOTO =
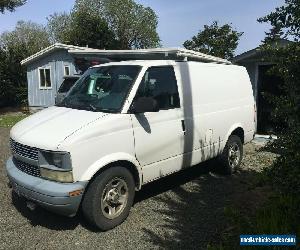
183,211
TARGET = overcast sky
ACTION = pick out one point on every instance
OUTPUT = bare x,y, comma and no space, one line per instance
179,20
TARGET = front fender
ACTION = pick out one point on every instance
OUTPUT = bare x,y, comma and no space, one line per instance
108,159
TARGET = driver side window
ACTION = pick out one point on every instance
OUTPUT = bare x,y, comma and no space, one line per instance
160,83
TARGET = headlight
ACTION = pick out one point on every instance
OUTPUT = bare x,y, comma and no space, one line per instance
60,160
56,166
54,175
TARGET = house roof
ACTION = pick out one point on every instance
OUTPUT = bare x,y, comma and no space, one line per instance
150,54
48,50
257,51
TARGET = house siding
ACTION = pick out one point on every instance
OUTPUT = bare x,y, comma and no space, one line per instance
56,61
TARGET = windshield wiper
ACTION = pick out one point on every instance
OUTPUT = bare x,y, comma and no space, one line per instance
107,110
89,107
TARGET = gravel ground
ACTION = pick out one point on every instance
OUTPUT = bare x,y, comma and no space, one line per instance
182,211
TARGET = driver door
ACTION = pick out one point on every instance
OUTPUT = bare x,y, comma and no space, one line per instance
159,136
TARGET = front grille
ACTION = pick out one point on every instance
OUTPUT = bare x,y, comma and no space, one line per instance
24,150
27,168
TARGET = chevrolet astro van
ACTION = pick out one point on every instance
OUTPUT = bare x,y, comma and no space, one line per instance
125,124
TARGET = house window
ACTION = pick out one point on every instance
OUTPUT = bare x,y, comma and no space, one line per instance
67,70
45,78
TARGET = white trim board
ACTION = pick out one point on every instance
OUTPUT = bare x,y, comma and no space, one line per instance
51,80
69,67
48,50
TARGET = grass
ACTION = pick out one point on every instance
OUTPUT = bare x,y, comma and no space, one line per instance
9,120
279,215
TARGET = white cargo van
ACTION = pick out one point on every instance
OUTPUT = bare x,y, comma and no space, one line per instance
124,124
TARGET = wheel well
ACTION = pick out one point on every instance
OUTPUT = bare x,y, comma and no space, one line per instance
239,132
132,169
128,165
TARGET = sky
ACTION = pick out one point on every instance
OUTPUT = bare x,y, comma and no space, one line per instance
179,20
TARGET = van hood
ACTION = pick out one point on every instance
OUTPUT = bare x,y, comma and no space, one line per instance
48,128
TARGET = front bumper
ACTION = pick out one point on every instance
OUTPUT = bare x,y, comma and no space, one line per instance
51,195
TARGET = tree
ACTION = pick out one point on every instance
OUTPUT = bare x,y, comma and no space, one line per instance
91,30
26,39
94,6
59,26
6,88
120,24
81,28
10,5
215,40
134,25
285,22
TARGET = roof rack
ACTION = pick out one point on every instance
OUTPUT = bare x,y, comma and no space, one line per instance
151,54
136,54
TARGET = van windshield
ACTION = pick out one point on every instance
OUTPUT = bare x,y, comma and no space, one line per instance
102,89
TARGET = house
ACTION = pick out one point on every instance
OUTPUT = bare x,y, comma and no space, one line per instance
262,82
45,72
47,68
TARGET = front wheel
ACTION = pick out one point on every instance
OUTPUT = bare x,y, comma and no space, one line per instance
232,154
109,198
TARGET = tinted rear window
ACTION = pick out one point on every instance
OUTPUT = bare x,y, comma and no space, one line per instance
66,85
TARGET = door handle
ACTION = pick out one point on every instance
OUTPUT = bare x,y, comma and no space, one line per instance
183,126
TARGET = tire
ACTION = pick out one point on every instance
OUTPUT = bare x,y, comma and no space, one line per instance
108,199
232,155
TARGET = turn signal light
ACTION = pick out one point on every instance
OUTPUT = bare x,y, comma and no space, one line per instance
75,193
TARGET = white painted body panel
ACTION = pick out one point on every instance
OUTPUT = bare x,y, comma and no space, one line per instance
158,138
48,128
215,100
102,142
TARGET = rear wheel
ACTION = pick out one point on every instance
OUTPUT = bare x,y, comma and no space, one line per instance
109,198
232,154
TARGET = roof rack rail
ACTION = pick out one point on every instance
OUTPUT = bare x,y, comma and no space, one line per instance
151,54
136,54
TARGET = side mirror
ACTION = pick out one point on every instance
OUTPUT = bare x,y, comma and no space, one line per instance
144,104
